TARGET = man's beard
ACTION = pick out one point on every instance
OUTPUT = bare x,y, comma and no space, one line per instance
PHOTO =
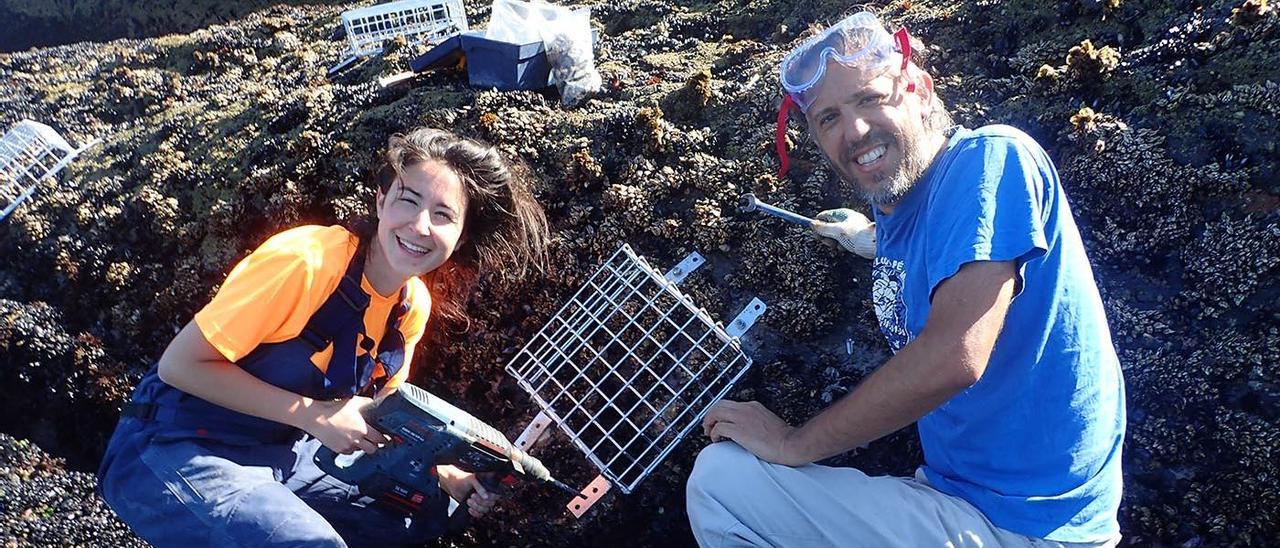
890,188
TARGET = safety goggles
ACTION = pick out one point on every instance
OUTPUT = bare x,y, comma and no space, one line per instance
859,42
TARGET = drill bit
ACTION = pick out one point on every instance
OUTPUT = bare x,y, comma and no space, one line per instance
534,468
566,488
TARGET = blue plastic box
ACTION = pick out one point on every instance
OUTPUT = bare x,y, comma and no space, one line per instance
505,66
446,54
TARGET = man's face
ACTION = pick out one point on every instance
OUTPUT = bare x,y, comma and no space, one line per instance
871,130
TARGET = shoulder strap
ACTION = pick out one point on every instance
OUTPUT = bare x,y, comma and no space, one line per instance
392,346
338,321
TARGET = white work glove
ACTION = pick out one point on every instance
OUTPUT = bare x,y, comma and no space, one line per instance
852,230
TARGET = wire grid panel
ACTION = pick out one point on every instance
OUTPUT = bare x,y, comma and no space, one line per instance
417,20
29,152
627,367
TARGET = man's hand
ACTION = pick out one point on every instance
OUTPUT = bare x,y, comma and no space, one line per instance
466,487
948,356
852,230
340,426
753,427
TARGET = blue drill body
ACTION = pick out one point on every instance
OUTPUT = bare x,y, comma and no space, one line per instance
425,432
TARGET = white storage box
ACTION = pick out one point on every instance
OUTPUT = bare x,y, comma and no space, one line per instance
418,21
30,152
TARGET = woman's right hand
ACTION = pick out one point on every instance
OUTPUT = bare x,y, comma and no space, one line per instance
340,426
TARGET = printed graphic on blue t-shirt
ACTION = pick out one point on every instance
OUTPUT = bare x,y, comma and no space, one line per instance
1035,443
886,293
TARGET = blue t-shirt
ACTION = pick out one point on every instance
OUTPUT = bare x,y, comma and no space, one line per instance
1035,443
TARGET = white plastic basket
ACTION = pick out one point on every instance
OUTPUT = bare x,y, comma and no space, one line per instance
418,21
628,367
31,152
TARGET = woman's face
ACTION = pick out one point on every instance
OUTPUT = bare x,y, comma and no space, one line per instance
420,219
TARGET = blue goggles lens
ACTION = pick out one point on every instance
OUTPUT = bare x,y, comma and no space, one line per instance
859,41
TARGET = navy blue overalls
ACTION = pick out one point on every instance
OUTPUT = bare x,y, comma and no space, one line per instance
185,472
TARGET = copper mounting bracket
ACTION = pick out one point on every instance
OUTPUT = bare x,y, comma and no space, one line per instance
590,495
532,433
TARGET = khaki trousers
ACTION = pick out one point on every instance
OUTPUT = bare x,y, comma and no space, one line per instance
736,499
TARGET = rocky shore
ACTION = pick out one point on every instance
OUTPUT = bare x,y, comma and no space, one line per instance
1163,118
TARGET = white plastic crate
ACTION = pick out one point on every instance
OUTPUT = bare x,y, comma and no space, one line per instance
418,21
628,367
30,152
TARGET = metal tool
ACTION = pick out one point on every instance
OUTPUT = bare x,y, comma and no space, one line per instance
628,367
861,243
748,202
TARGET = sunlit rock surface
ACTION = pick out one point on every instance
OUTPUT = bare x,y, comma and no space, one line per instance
1163,118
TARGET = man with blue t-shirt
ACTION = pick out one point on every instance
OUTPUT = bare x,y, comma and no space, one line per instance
1002,353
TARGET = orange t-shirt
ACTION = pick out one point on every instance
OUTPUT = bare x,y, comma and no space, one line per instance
272,293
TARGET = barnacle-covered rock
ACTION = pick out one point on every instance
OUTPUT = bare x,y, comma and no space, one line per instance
652,127
584,172
1085,120
1250,12
1230,261
708,225
61,379
628,203
1089,64
1164,125
42,503
688,101
1139,201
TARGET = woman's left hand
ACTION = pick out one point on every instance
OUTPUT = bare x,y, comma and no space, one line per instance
466,488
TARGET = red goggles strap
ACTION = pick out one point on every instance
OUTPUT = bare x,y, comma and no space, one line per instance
904,44
780,137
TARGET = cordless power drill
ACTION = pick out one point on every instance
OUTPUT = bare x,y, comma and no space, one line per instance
427,431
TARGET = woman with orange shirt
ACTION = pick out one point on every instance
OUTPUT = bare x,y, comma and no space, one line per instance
216,446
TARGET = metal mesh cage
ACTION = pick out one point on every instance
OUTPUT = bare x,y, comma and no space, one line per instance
628,366
29,153
417,21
